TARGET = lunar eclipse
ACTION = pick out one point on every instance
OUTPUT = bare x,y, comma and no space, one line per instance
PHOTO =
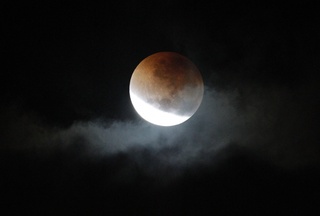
166,88
145,108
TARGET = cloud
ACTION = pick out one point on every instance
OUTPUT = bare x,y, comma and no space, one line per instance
264,121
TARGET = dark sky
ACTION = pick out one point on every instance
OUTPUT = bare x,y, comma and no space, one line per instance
72,144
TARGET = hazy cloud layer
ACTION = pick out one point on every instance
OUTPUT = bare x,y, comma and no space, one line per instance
266,121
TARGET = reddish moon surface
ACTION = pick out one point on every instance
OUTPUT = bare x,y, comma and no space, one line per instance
166,88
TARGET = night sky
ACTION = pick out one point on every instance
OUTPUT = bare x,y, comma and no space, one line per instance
71,142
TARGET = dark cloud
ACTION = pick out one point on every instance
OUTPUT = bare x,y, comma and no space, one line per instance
268,121
239,145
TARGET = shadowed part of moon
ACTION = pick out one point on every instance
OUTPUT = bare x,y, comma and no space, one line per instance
169,82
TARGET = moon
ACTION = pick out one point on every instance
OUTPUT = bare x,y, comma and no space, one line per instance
166,88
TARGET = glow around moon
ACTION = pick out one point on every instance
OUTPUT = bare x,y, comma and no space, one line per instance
166,89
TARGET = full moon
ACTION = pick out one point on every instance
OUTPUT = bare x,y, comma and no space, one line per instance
166,88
